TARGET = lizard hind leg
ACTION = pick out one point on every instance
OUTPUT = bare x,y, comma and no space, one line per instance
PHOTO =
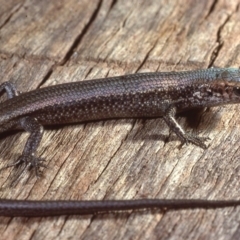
29,124
9,88
28,159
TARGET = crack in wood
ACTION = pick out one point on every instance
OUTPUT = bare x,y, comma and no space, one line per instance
212,8
10,15
147,55
78,39
220,41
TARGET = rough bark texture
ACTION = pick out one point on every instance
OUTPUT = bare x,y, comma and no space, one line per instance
49,42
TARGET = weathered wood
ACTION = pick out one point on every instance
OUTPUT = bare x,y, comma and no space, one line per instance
49,42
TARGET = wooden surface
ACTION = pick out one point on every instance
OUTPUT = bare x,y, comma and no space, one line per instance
49,42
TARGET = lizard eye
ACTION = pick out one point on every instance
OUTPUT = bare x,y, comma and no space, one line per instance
236,90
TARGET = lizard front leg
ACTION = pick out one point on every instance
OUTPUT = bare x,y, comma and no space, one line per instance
171,121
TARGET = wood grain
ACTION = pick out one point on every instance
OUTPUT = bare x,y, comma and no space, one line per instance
49,42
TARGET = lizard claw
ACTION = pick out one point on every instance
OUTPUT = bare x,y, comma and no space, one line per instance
196,140
28,162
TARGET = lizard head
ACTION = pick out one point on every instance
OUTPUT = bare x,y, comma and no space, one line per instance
228,84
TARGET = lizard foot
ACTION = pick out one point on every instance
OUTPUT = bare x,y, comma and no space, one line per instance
196,140
28,162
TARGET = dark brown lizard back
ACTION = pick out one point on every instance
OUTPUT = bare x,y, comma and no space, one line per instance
136,95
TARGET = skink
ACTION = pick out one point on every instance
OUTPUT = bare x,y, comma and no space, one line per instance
130,96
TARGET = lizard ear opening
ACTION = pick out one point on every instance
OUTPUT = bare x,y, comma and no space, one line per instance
236,90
